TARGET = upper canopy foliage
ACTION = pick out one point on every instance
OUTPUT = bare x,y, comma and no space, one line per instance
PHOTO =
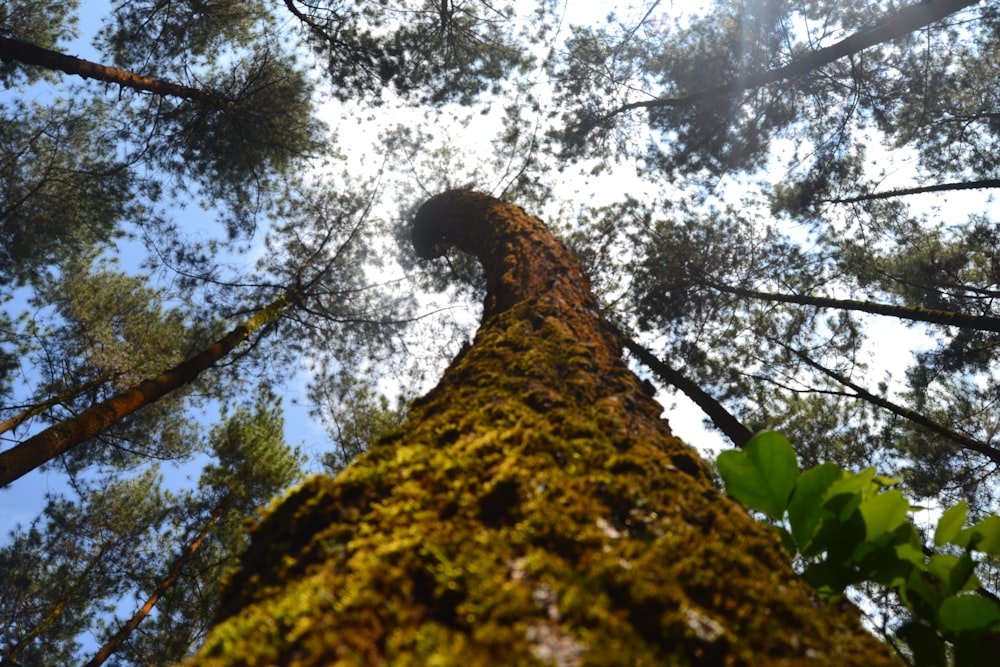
714,169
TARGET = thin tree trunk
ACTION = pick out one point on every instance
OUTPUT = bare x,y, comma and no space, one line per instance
915,314
13,655
187,554
722,418
30,54
984,184
59,438
897,24
14,421
534,509
965,441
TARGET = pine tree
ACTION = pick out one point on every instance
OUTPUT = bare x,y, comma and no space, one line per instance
253,465
778,103
128,538
534,508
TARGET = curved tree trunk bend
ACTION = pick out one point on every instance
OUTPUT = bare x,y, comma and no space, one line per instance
534,509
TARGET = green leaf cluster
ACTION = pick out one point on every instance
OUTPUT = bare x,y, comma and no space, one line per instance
850,528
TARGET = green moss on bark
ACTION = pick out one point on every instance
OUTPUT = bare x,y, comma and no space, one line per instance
533,510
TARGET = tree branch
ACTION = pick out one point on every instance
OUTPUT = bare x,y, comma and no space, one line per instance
59,438
984,184
916,314
991,453
901,22
30,54
720,416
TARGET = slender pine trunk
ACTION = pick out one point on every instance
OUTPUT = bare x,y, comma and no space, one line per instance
43,406
37,56
722,418
984,184
59,438
897,24
992,453
912,313
115,642
12,656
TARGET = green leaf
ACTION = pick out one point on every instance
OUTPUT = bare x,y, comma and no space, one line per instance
829,578
882,480
921,594
762,475
883,514
839,538
963,575
805,509
883,565
941,567
969,611
950,523
909,544
845,495
787,541
986,536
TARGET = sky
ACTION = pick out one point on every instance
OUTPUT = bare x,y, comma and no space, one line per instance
889,349
22,502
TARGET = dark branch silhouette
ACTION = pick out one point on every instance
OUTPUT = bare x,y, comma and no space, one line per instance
893,26
123,633
913,313
59,438
723,420
965,441
30,54
984,184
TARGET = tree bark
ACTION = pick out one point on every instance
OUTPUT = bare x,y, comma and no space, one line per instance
534,509
863,394
983,184
31,54
721,418
59,438
44,405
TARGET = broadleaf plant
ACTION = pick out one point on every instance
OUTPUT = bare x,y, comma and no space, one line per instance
850,528
762,474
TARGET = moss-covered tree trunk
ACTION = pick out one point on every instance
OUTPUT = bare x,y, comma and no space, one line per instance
533,510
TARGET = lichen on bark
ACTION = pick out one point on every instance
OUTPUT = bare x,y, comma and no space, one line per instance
534,509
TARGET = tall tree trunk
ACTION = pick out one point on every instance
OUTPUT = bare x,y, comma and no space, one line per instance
124,632
534,509
44,405
970,443
913,313
722,418
30,54
983,184
12,655
39,449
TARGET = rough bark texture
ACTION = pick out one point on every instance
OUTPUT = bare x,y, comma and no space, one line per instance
533,510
